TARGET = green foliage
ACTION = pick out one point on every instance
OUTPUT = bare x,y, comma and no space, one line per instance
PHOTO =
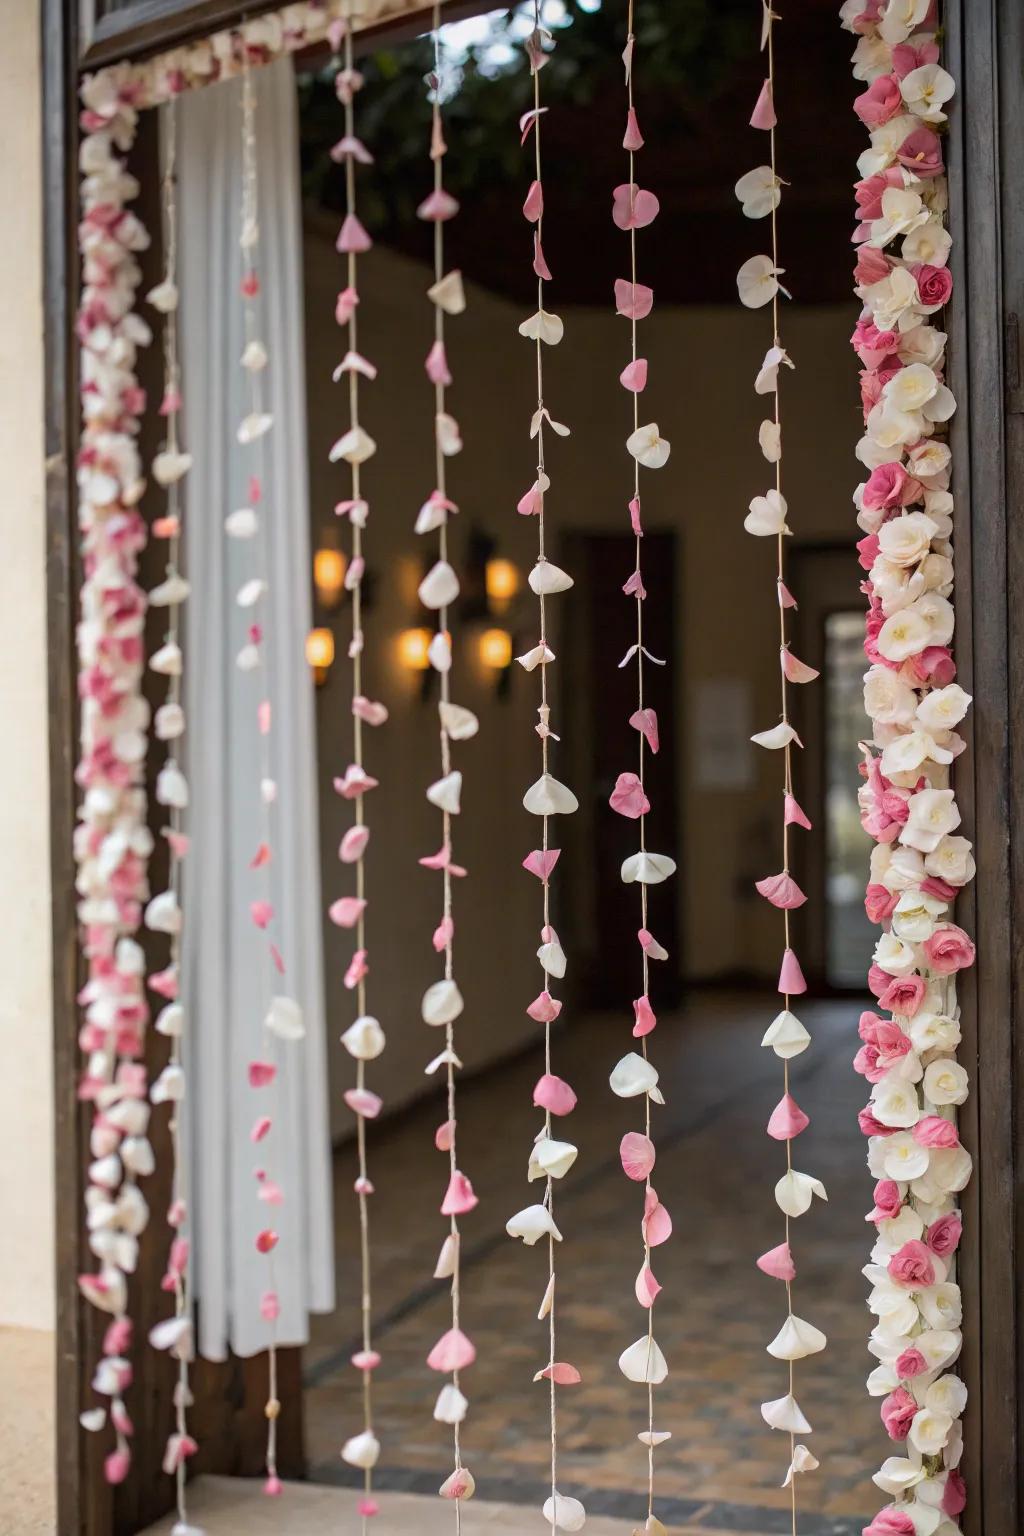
688,49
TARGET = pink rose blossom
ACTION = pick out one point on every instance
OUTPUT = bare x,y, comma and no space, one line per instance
943,1236
921,152
901,994
887,486
872,266
887,1201
955,1496
890,1522
898,1411
880,103
934,1131
912,1266
933,665
934,284
949,950
910,1364
880,903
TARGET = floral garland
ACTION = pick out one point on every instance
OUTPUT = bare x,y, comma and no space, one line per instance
550,1158
227,54
634,208
442,1002
163,915
364,1038
760,193
112,841
904,510
282,1021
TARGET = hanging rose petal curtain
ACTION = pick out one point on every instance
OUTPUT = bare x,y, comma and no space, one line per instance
920,862
364,1038
442,1004
634,208
164,915
760,194
550,1157
282,1022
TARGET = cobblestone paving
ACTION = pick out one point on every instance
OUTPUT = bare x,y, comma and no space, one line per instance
722,1469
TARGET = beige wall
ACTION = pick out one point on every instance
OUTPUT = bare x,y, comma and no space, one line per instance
26,1274
702,368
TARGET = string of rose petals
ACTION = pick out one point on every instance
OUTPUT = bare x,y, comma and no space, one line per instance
904,510
112,840
163,914
442,1002
364,1038
283,1019
550,1158
760,193
634,208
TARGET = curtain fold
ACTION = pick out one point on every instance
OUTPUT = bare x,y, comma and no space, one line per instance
222,970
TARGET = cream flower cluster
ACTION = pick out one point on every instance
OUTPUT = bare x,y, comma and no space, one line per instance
224,55
920,861
112,840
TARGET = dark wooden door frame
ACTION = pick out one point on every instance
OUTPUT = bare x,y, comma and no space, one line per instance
985,52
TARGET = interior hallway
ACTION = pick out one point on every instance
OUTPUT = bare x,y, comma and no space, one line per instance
715,1172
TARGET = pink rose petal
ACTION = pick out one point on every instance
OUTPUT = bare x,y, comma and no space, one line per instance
261,1074
443,934
657,1223
533,207
644,1017
452,1352
791,977
633,300
632,139
444,1136
459,1197
634,376
554,1094
794,816
544,1008
363,1103
561,1373
353,239
632,207
541,863
261,913
628,797
636,1154
763,115
646,722
781,890
346,911
353,844
646,1287
778,1262
787,1119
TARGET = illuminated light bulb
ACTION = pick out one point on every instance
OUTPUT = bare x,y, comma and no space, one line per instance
414,649
496,649
320,653
329,576
501,582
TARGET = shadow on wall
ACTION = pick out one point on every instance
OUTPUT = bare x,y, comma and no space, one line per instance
722,668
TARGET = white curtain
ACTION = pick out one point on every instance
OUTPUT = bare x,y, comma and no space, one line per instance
223,968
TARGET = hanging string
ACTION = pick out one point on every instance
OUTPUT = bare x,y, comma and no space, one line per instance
551,1158
169,725
364,1039
442,1003
634,208
760,193
282,1020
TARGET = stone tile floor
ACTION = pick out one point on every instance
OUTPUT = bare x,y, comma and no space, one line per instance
722,1468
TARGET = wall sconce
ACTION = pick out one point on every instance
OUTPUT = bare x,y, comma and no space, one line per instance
320,654
414,649
501,583
329,576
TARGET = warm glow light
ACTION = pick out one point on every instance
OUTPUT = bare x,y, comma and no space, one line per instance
501,581
328,576
320,652
414,648
496,648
